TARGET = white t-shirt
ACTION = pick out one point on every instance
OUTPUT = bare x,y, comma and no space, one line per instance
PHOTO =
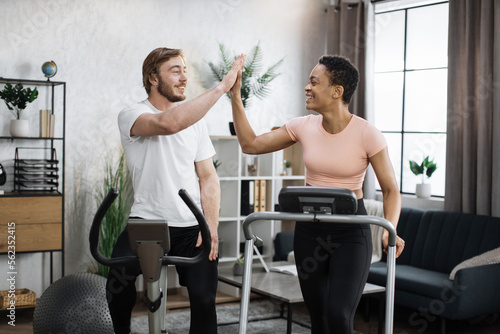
162,165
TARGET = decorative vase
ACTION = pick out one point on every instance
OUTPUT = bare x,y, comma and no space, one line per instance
289,171
423,190
19,128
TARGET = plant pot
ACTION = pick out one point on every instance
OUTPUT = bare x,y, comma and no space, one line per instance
423,190
19,128
231,129
289,171
238,269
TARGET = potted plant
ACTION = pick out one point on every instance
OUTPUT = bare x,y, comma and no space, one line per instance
238,266
288,168
426,169
16,98
252,83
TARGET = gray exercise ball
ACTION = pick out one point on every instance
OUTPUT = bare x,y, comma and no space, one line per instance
74,304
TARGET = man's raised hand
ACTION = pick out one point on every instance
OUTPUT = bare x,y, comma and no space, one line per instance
231,76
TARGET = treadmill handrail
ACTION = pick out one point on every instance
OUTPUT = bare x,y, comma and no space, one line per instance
252,240
329,218
126,260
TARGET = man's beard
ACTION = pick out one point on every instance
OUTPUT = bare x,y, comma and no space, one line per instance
167,91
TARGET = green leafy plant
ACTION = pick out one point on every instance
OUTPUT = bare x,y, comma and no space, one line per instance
252,83
17,98
288,164
240,260
116,217
426,168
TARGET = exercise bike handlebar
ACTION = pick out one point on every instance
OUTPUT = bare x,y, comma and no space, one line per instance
205,235
94,234
175,260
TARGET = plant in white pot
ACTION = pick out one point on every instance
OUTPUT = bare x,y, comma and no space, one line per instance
288,168
253,84
17,98
426,169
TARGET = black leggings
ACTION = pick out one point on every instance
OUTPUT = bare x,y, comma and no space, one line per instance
333,261
200,280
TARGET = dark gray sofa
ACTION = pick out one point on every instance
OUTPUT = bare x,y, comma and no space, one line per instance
436,242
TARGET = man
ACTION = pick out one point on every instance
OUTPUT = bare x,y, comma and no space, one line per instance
167,148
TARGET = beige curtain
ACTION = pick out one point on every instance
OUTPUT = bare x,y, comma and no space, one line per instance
473,145
346,24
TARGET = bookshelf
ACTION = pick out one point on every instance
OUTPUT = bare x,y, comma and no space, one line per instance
33,198
238,174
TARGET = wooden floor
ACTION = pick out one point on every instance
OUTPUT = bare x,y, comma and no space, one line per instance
405,321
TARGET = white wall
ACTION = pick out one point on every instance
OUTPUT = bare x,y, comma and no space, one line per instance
99,47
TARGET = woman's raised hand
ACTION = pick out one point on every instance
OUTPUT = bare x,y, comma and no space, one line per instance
236,89
232,75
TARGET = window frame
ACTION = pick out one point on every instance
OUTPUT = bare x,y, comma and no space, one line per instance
405,8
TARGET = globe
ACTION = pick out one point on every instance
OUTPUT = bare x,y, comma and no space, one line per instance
49,68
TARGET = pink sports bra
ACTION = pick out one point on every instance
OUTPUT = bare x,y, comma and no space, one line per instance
336,160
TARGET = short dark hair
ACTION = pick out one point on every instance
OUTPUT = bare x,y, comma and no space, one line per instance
341,72
153,62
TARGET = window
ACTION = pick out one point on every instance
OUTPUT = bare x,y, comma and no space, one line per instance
410,86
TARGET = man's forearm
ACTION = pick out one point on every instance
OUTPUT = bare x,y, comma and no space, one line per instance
210,200
186,114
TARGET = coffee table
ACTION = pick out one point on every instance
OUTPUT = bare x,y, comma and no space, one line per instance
282,287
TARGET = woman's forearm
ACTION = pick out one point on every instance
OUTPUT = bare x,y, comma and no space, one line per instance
392,205
244,132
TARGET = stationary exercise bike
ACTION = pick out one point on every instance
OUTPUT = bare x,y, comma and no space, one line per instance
151,241
315,204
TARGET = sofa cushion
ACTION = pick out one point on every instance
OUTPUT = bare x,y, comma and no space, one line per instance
283,245
407,228
412,279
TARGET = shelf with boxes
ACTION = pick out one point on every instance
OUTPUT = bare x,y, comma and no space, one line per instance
251,183
33,195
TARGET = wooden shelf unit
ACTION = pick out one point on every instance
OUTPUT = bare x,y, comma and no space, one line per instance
38,215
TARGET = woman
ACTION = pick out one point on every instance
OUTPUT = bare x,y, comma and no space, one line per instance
337,148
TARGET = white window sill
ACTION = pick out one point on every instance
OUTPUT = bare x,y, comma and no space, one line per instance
412,201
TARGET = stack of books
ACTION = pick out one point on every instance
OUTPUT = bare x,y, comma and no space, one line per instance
47,120
253,196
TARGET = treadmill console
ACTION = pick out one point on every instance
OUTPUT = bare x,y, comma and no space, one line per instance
323,200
